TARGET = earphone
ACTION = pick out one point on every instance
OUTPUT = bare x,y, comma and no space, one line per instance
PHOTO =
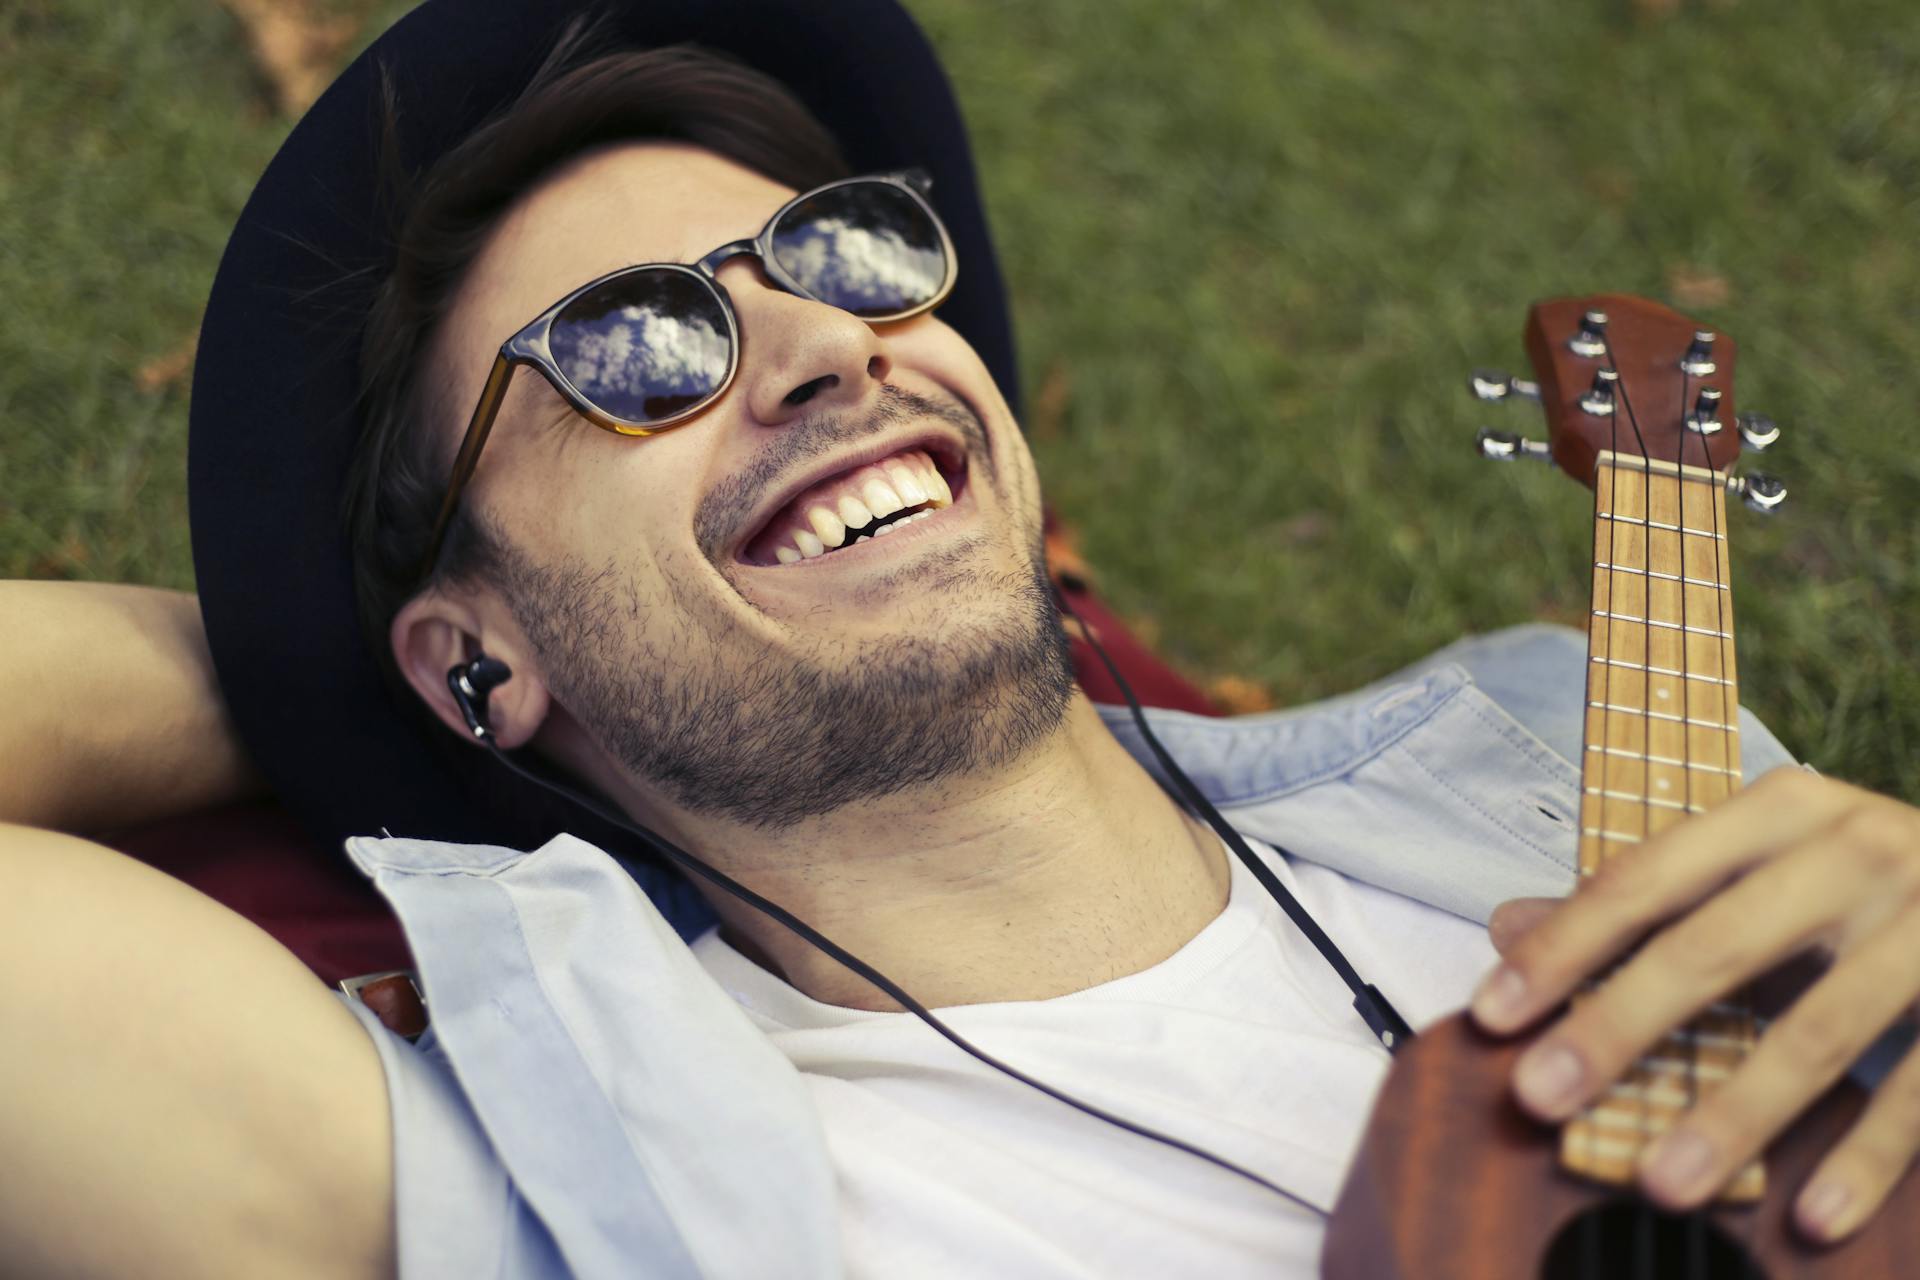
472,683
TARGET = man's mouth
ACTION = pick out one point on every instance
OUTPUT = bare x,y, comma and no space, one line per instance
867,501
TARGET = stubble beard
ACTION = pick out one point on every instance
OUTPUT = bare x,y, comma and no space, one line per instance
770,739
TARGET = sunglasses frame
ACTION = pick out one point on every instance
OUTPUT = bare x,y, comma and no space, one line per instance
530,346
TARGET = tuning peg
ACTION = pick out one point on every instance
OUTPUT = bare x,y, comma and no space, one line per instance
1599,398
1705,417
1762,492
1699,358
1504,446
1498,384
1757,429
1591,341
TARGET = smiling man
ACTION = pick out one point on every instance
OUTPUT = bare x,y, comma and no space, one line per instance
894,689
758,539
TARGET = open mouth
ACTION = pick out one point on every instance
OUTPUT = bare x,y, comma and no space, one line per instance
868,501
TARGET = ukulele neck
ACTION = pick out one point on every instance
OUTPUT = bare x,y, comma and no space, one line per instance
1662,741
1662,735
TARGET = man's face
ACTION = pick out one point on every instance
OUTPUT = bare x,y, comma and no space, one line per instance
645,574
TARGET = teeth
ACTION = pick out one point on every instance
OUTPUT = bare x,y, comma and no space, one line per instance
881,498
786,555
912,492
809,545
828,525
854,513
937,489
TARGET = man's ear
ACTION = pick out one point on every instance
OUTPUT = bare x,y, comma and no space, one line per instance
432,634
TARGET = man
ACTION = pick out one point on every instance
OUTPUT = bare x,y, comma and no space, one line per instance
884,739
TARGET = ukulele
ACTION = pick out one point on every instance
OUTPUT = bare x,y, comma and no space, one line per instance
1452,1179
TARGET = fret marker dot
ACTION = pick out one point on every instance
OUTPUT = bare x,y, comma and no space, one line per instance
1661,784
1660,694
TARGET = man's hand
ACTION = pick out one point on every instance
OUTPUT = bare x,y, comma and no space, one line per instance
1795,864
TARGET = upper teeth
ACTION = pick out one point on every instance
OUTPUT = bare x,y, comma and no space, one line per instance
871,493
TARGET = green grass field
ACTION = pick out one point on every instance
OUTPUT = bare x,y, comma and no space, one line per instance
1254,248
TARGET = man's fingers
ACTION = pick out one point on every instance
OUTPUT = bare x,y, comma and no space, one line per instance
1854,1179
1740,934
1513,918
1636,891
1800,1055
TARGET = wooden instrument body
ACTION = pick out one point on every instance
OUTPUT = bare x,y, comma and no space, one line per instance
1455,1182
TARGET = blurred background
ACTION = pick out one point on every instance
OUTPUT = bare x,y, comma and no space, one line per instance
1254,249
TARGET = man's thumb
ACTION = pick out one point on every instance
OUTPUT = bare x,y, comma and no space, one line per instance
1512,919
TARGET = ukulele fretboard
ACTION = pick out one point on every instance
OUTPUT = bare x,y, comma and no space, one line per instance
1661,742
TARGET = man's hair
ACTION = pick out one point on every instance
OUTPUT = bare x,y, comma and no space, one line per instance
575,101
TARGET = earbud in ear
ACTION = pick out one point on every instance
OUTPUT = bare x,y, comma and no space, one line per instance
471,683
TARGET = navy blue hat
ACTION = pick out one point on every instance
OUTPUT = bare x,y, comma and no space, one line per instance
274,424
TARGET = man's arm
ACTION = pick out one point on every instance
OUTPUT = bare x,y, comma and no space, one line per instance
178,1096
112,714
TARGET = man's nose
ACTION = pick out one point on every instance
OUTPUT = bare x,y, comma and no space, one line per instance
798,356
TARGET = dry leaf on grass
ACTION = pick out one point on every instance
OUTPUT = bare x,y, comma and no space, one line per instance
297,45
1304,529
68,560
1063,554
1239,696
1693,287
1050,405
163,371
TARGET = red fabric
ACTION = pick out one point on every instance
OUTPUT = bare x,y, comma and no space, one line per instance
258,861
1154,683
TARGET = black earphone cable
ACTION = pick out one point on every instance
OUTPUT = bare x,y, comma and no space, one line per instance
473,682
1368,1001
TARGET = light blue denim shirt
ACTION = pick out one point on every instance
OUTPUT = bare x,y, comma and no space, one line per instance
589,1102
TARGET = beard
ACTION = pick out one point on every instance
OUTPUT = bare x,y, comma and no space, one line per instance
726,728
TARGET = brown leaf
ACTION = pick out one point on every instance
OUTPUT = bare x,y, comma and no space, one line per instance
296,45
1050,405
163,371
1239,696
1063,554
66,561
1304,529
1693,287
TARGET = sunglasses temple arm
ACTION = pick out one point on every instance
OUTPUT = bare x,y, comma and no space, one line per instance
469,456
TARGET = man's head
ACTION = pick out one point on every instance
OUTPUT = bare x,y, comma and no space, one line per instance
659,647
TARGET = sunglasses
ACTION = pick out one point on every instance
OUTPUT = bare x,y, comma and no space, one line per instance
642,349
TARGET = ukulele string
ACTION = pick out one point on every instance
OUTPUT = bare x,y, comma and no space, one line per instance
1686,685
1726,718
1639,1076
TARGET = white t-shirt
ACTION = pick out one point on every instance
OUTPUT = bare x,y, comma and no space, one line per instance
1243,1043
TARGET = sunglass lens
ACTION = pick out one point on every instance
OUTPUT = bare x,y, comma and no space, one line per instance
644,345
866,247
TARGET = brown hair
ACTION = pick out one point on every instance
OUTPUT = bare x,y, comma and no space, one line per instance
574,102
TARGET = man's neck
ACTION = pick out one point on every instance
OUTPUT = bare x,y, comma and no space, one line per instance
1071,869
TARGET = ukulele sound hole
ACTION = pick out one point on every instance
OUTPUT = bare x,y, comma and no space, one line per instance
1630,1240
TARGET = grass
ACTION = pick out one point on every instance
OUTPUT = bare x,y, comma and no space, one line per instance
1253,248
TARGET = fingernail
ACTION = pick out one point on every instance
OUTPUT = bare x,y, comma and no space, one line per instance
1678,1164
1497,1003
1548,1079
1822,1208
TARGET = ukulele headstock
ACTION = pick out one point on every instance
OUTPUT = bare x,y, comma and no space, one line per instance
1620,373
